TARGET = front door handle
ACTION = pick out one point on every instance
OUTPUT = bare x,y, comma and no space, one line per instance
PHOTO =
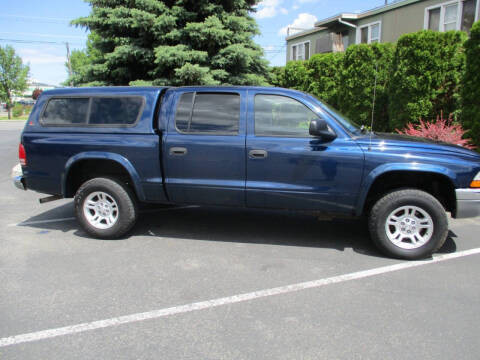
257,154
178,151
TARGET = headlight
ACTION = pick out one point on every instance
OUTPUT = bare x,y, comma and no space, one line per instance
476,181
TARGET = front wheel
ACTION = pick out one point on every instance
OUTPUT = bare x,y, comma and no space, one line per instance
105,208
408,224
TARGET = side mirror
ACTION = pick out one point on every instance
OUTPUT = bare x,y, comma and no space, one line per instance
319,128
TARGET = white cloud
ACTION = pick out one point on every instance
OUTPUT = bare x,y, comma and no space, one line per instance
303,21
34,56
269,8
295,7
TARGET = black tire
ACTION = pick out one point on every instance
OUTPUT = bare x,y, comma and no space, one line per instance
126,202
409,197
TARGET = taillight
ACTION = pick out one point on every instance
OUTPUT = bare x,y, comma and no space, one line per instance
22,156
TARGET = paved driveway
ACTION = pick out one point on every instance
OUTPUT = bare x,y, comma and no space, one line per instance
200,283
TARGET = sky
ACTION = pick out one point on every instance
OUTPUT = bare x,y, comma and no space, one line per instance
39,30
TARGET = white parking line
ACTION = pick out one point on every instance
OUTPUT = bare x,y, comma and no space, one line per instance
155,314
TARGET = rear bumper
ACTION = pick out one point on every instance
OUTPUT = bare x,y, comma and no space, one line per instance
19,182
468,203
17,177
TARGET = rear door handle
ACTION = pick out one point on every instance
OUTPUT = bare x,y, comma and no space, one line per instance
178,151
257,154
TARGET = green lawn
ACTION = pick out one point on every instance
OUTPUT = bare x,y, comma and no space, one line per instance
5,117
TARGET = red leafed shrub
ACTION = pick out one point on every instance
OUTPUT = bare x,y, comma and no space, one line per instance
442,130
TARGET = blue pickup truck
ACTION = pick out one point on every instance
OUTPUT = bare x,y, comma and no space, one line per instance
116,148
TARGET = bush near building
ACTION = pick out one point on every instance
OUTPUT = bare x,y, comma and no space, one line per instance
424,74
471,86
323,76
364,65
295,76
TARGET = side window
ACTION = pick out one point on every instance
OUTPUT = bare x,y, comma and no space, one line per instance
212,113
184,112
115,110
277,115
66,111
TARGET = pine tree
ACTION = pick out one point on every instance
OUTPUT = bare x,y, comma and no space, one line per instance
173,42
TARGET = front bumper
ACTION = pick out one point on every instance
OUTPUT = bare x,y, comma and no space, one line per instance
468,203
17,177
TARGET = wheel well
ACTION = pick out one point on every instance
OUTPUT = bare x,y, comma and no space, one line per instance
437,185
84,170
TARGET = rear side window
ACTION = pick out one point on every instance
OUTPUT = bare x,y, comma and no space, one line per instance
107,111
115,110
208,113
66,111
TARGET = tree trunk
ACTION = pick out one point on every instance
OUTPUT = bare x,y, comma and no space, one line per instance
9,104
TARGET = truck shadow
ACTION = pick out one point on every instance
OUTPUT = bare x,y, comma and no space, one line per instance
283,228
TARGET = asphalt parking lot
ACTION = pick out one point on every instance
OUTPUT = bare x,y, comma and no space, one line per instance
202,283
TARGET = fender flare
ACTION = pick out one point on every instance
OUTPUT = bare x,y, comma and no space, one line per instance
391,167
96,155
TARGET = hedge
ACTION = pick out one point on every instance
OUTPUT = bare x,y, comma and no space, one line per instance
471,86
357,83
323,76
419,77
426,74
295,75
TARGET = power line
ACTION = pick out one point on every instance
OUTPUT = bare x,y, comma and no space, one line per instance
48,20
21,41
44,35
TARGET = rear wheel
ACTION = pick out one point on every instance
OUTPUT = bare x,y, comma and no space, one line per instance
408,224
105,208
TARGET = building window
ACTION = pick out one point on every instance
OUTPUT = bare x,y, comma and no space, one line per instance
301,51
468,15
453,15
369,33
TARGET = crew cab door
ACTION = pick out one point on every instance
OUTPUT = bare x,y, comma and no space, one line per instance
289,169
204,148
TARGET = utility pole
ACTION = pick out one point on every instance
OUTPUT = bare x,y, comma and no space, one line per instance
70,72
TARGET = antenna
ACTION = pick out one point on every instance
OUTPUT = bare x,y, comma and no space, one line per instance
373,106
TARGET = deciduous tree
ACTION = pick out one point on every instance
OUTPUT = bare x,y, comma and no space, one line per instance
13,76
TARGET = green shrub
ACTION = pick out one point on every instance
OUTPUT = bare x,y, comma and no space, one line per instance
323,76
295,75
357,83
426,74
471,86
276,76
17,110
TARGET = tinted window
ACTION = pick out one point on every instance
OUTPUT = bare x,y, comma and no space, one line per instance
115,110
281,116
66,111
213,113
184,112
